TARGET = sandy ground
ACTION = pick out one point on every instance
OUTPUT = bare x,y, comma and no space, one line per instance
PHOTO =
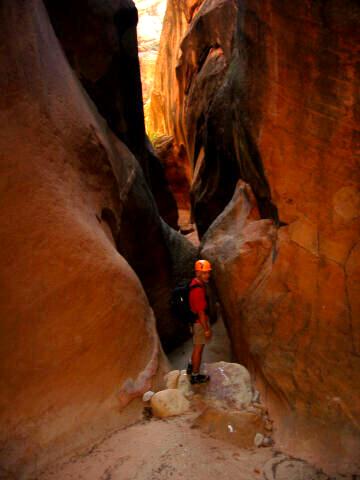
166,449
172,449
163,450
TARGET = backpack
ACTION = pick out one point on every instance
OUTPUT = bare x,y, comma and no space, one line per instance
179,302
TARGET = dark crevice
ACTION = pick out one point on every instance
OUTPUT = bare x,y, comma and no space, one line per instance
204,55
109,217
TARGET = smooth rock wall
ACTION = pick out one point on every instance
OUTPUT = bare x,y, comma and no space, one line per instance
266,92
78,338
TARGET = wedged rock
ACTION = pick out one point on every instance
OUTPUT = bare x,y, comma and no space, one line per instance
177,174
168,403
236,427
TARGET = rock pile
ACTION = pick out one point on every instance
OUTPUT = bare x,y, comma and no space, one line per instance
226,408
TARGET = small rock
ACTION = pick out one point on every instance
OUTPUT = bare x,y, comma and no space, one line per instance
147,396
256,397
167,403
171,379
267,442
258,440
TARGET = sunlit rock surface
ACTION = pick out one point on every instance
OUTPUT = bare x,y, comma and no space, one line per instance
168,403
163,111
151,15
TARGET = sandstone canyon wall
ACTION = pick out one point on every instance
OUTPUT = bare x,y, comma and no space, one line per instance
100,42
267,92
99,39
78,338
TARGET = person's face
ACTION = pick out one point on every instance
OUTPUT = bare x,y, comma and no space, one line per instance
205,276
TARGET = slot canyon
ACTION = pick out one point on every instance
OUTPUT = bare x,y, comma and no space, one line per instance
136,138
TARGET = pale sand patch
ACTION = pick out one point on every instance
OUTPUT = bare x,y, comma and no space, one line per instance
162,450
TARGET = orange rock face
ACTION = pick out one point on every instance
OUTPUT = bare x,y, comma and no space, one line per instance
100,49
288,318
265,92
78,339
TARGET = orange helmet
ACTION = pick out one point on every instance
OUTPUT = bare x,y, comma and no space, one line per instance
203,266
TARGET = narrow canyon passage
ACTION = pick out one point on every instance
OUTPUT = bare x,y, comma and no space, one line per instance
137,137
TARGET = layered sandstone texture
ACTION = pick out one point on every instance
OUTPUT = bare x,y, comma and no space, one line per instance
78,338
195,103
266,92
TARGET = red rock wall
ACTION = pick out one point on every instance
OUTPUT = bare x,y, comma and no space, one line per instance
78,339
302,112
266,92
100,43
195,93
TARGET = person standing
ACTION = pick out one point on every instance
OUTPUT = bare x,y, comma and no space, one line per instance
201,329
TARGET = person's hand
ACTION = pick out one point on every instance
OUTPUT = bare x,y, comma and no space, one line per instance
208,334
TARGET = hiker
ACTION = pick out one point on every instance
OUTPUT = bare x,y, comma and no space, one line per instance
201,328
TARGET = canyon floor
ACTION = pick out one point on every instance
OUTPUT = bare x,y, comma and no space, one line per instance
164,449
161,450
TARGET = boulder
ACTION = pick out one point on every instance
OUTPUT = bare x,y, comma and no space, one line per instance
168,403
229,386
171,379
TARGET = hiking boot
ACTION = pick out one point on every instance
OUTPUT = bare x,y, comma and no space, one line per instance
189,369
199,378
